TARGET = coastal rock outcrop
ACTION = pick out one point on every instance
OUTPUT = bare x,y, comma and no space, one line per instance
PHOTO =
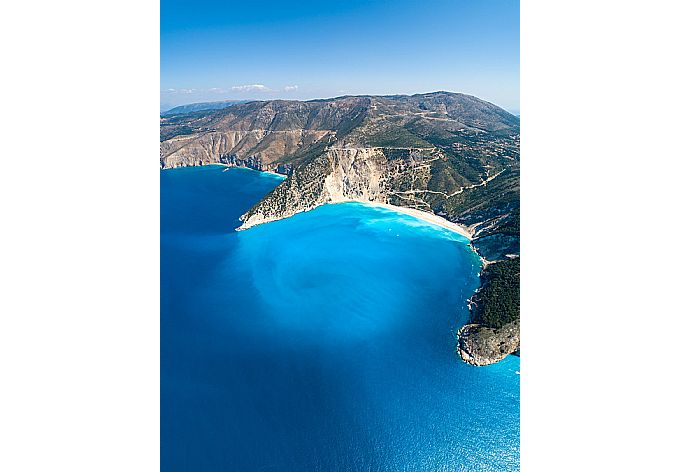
480,345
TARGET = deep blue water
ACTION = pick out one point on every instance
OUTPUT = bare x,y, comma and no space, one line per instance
321,342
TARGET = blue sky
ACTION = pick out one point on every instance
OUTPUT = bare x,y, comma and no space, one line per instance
230,50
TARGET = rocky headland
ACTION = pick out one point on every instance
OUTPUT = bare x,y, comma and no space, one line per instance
481,345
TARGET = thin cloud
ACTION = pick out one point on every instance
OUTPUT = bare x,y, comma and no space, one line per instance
250,88
183,90
290,88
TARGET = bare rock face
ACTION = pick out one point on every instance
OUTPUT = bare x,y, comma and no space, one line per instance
345,174
481,345
337,175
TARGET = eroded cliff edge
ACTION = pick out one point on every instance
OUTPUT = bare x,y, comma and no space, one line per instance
451,155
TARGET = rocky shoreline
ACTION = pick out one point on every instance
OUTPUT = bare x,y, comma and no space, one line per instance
480,345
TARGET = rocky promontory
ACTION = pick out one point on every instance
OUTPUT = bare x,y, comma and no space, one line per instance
481,345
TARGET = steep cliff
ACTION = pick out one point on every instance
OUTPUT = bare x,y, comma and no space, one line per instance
339,175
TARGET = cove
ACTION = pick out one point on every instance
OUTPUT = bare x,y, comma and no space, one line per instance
325,341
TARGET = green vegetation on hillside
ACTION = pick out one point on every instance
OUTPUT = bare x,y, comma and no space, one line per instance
498,300
392,136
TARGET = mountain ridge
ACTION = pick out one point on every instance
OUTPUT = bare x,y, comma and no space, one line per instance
200,106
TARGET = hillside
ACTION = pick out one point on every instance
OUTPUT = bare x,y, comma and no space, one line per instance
446,153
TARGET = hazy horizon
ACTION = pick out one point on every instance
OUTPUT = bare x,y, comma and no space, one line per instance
216,51
165,108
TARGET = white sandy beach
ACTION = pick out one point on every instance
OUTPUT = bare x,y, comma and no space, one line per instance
425,216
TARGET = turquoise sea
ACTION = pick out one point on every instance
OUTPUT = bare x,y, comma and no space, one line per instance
323,342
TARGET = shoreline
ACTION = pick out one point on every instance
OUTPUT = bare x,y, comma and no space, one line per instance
419,214
230,166
422,215
273,174
267,172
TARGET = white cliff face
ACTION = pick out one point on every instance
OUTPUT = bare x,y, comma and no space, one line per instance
357,174
338,175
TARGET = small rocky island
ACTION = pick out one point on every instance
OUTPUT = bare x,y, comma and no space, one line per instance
446,154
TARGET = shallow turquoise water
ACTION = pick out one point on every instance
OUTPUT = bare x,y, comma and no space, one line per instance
321,342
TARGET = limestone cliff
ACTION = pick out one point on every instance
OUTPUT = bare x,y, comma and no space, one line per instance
339,175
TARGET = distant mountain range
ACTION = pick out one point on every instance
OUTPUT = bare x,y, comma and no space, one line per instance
446,153
201,106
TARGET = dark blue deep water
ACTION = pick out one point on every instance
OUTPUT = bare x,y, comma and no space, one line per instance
322,342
